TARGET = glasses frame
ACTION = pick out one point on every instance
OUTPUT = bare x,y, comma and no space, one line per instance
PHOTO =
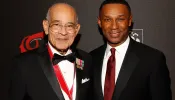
57,27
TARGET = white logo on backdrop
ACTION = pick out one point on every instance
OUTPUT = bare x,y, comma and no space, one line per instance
137,35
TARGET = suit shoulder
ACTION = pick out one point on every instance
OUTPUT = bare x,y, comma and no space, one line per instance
97,50
83,53
26,55
148,50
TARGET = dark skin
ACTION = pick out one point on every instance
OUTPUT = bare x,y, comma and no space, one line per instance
114,20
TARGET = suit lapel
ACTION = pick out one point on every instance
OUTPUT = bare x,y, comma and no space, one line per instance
98,70
47,68
78,79
78,75
128,66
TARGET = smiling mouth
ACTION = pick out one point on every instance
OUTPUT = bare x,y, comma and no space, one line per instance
62,39
114,34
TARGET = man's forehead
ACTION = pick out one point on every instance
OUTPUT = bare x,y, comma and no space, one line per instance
62,18
61,22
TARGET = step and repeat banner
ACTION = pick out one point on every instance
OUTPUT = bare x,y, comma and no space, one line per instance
153,25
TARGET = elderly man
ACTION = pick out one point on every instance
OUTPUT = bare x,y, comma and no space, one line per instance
54,71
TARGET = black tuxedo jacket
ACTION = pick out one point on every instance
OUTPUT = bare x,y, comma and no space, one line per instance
143,76
33,77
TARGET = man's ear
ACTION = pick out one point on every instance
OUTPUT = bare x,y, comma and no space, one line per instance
130,20
46,26
99,22
77,28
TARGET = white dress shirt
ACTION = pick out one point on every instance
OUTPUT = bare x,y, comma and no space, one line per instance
119,56
67,69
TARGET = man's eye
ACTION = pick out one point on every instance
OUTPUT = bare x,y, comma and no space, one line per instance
70,26
107,20
121,19
53,25
56,24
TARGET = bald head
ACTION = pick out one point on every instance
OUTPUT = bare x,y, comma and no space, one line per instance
61,26
61,8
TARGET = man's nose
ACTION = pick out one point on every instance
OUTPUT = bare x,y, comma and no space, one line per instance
114,25
63,31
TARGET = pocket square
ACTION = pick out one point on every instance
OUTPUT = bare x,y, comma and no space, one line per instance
84,80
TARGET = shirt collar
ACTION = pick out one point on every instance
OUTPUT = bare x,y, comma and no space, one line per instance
69,51
121,49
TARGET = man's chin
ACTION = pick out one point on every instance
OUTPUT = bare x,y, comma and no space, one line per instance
62,48
114,43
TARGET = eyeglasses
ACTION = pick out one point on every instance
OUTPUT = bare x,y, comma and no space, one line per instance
69,27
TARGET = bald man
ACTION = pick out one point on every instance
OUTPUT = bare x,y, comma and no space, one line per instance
54,71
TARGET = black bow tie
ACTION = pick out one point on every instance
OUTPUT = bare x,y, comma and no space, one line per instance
57,58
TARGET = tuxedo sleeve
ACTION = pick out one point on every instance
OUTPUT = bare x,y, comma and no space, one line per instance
160,85
17,84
